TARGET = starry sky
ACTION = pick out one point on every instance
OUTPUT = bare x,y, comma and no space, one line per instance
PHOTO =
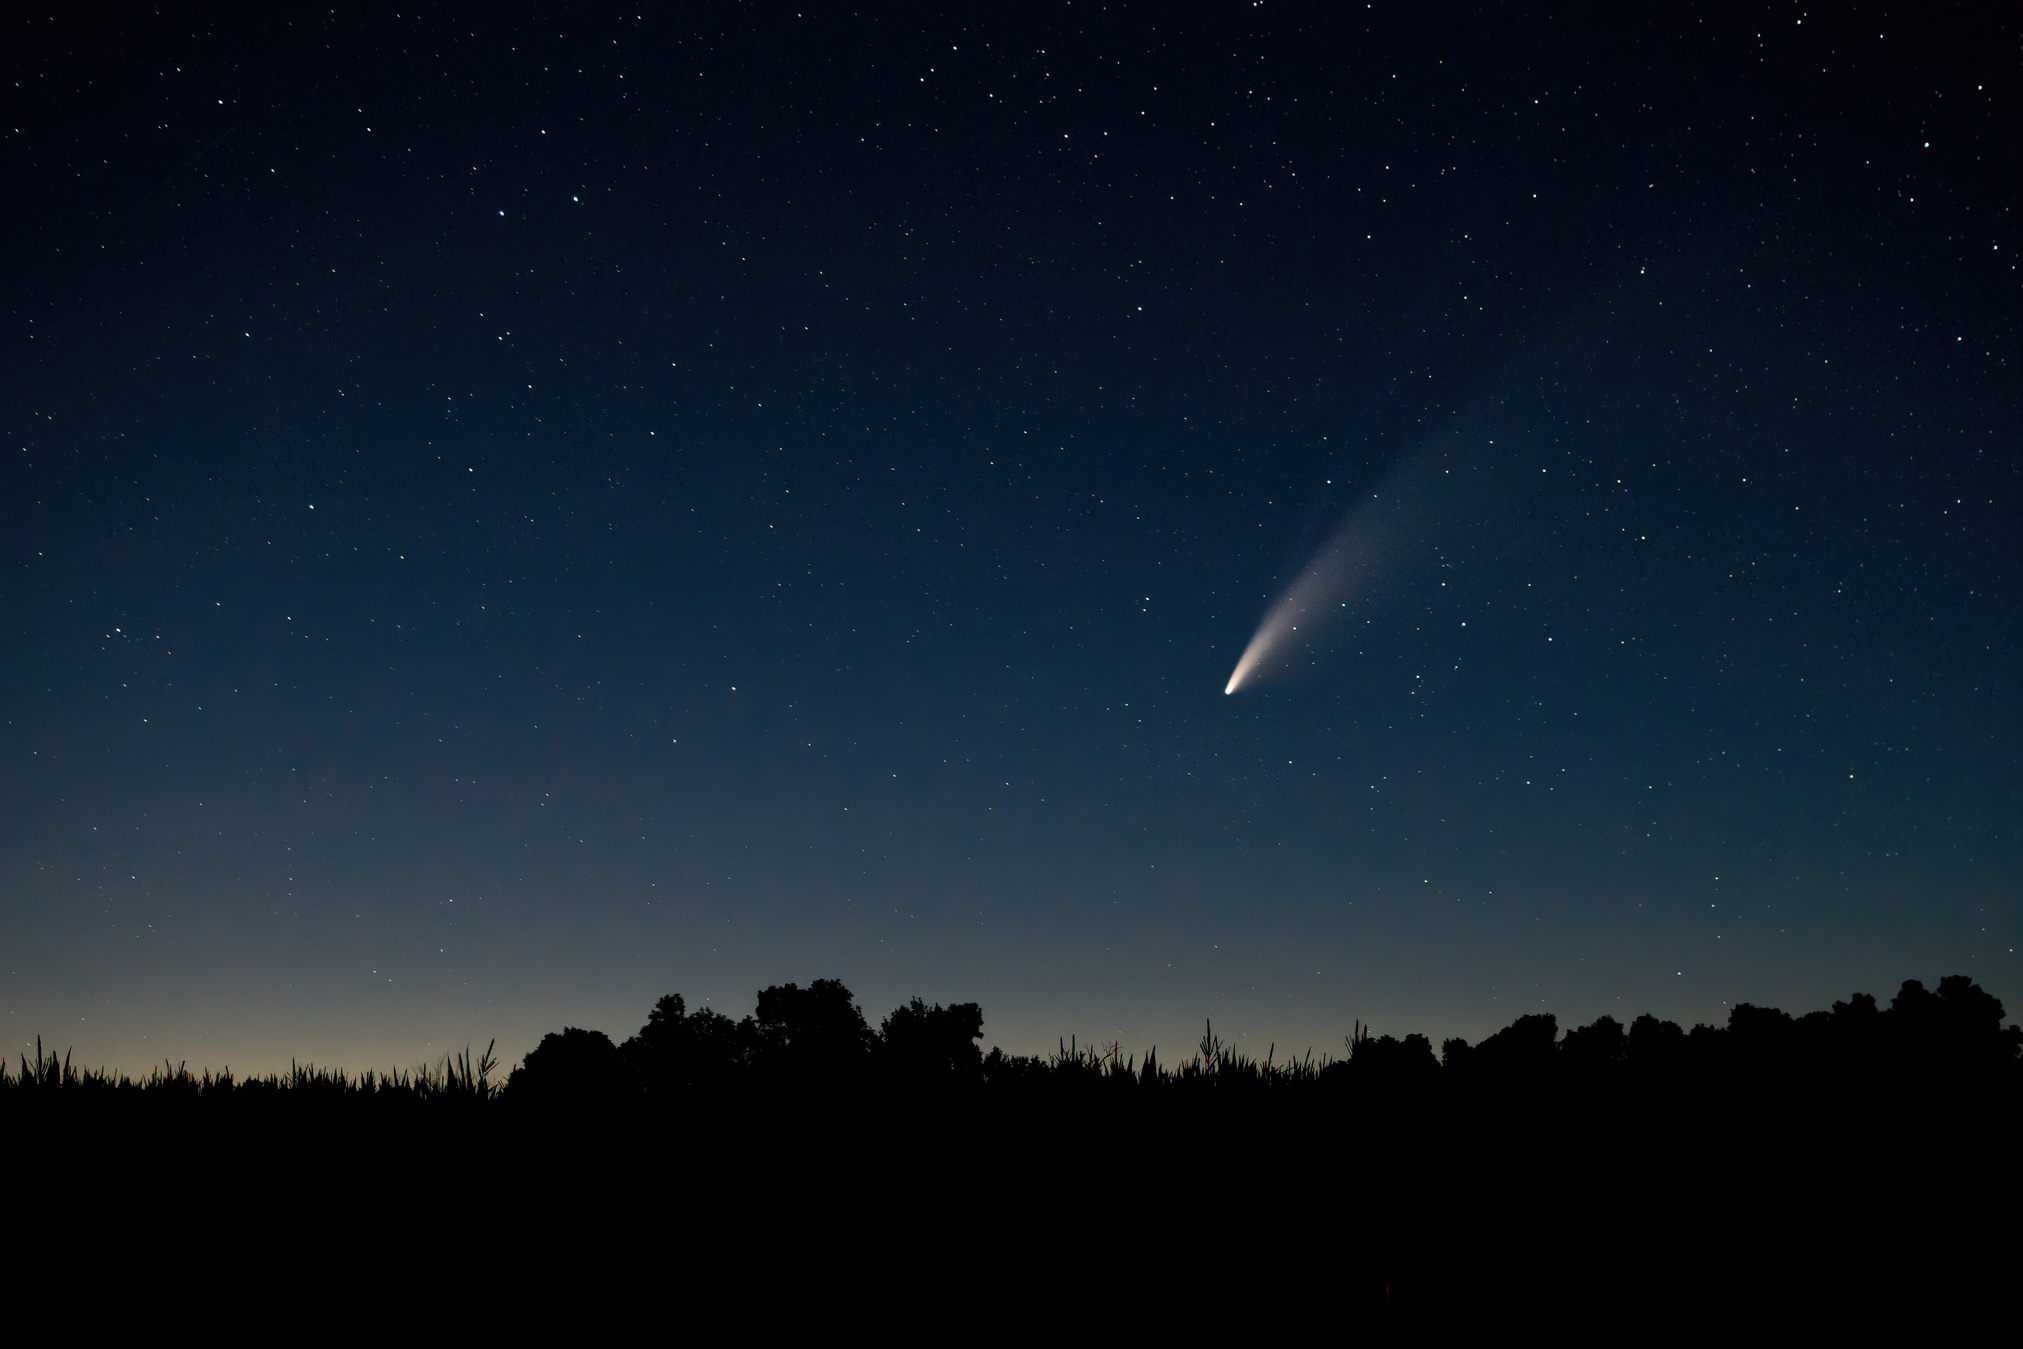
507,514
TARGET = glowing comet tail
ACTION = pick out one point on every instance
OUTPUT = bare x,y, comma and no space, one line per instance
1339,573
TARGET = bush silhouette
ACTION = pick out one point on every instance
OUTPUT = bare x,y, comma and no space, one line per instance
573,1066
923,1046
1385,1063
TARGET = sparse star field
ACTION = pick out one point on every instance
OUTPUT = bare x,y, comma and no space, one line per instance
1287,515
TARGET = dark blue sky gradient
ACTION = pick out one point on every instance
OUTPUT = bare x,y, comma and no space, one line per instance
506,517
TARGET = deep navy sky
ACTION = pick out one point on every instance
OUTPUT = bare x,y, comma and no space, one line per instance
506,517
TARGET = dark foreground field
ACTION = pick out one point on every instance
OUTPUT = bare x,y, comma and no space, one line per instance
786,1170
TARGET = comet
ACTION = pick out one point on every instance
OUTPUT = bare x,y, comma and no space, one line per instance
1343,571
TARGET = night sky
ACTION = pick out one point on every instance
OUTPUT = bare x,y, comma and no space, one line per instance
507,516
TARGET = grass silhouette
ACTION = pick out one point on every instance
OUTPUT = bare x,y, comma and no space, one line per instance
461,1078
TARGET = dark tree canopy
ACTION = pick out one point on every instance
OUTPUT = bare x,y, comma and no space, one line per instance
1597,1047
817,1036
1386,1062
1959,1025
576,1064
1525,1046
678,1052
811,1033
926,1045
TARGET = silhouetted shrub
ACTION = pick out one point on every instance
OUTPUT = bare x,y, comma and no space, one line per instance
1384,1063
922,1046
576,1067
1004,1072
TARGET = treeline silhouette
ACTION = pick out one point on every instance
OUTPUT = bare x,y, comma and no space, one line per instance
1817,1160
816,1037
816,1040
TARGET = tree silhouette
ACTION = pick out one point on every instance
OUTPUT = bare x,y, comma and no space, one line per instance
1654,1048
575,1066
1596,1049
1762,1043
1385,1062
1522,1050
679,1053
813,1035
1958,1027
925,1046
